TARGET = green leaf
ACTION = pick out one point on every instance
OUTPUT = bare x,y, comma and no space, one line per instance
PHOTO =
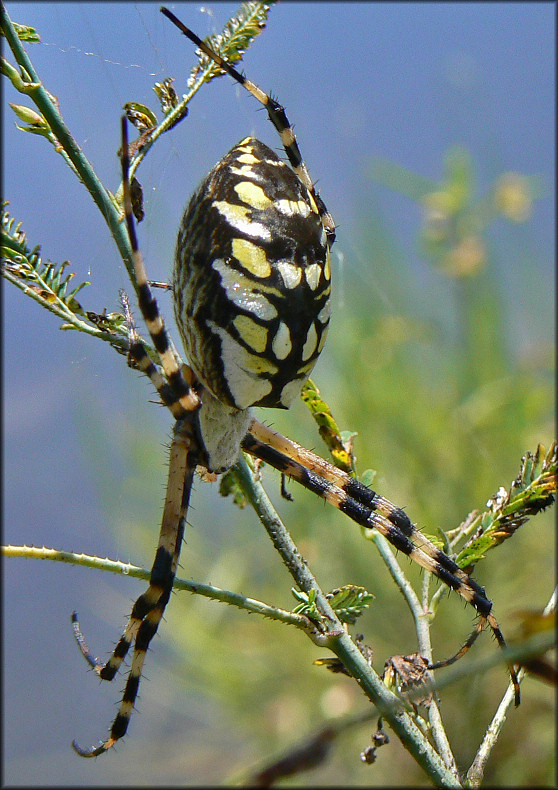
340,444
307,605
229,486
367,477
20,83
530,493
232,43
166,94
27,115
140,116
349,602
26,33
46,281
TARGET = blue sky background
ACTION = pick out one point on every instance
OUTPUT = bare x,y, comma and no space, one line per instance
397,81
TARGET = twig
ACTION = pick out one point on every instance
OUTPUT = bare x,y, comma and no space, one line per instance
476,771
388,704
127,569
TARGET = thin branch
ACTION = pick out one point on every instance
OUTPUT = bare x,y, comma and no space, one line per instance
128,569
45,103
305,753
332,634
391,707
240,31
422,626
476,771
71,319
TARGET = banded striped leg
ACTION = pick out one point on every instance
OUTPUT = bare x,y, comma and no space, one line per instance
177,394
149,607
277,116
371,510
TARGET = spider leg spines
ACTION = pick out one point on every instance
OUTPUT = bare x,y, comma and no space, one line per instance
277,116
368,509
359,496
186,399
426,555
471,639
149,608
93,751
94,662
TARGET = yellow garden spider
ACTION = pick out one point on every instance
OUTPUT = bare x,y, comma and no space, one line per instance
251,291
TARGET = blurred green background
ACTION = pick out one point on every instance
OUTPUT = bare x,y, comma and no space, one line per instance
430,130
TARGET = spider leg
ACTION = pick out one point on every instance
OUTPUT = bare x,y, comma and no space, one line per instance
277,116
140,359
150,606
184,399
370,510
176,390
471,639
354,490
364,514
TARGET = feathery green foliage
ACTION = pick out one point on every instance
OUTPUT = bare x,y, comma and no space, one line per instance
348,603
530,492
237,35
44,281
340,444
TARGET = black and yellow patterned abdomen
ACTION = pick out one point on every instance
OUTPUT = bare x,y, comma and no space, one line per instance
252,280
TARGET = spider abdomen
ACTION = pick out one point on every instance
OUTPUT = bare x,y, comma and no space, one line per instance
252,280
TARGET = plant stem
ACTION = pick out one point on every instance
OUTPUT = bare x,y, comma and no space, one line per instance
44,102
476,771
127,569
422,626
389,705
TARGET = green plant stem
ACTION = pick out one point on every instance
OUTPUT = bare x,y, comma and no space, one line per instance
170,120
44,102
391,707
533,646
340,642
476,771
422,626
127,569
179,112
61,311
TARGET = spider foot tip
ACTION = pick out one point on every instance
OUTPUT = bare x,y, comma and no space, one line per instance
93,751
